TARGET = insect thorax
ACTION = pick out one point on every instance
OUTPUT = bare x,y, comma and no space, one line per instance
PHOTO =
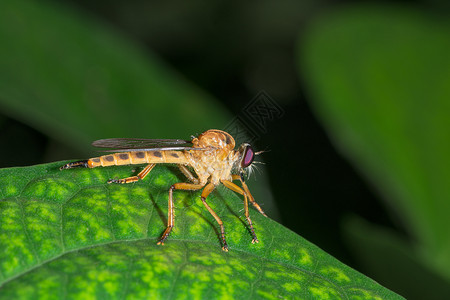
213,165
216,139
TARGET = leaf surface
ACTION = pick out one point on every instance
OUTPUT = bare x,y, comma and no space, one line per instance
69,234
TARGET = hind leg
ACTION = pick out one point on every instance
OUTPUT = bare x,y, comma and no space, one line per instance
139,176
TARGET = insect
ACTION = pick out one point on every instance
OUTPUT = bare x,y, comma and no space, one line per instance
211,155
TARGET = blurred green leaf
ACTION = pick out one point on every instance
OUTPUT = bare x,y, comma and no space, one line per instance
386,256
380,80
70,234
75,79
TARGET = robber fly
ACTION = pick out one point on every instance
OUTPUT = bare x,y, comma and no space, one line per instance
211,155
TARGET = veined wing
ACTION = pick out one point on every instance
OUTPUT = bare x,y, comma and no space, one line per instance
125,144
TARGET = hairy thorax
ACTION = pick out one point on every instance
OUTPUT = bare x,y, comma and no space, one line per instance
216,162
214,165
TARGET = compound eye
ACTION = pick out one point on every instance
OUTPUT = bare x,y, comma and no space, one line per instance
248,157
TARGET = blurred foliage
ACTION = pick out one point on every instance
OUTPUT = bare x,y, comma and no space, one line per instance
380,82
389,258
76,80
69,234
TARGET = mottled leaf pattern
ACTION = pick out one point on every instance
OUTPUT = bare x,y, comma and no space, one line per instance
69,234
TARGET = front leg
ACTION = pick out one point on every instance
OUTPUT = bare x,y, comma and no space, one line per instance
247,191
237,189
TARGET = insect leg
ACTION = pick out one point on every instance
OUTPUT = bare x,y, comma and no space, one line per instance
188,174
206,191
139,176
237,189
247,191
171,215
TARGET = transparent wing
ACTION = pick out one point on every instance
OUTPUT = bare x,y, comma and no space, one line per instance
125,144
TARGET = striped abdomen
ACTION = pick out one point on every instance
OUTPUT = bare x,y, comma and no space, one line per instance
131,158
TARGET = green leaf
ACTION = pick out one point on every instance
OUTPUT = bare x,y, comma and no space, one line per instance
69,234
378,249
379,80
